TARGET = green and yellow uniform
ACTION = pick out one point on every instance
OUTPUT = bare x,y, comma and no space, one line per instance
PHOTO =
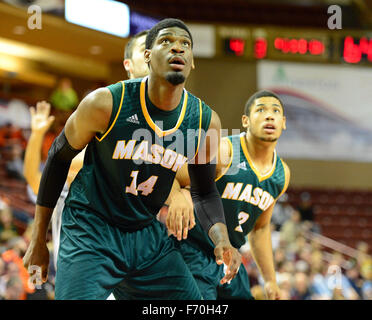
110,238
245,195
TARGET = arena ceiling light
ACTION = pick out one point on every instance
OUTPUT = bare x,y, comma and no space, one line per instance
102,15
55,60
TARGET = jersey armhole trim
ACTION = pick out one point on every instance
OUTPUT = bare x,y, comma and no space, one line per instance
230,162
285,181
117,114
200,128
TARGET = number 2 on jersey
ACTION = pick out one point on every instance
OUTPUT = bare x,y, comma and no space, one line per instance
145,187
243,217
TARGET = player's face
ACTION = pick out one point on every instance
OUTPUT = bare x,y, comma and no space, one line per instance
171,56
136,65
266,120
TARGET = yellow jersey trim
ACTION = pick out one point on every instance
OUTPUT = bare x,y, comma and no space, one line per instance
259,176
153,126
231,159
286,182
200,127
117,113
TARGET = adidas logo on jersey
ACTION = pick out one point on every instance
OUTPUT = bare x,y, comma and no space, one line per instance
133,119
242,165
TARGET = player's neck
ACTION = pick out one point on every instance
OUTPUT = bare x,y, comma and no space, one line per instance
162,94
260,152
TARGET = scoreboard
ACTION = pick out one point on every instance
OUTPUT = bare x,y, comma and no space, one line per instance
302,45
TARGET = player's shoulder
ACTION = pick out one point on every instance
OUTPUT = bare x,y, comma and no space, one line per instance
126,83
100,98
129,83
133,82
194,98
232,140
285,166
287,173
96,107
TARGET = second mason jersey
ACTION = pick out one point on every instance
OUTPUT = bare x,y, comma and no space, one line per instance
245,194
129,170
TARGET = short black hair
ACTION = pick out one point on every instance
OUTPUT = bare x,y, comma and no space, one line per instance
165,23
260,94
128,51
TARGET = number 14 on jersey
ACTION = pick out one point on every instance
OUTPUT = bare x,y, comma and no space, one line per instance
145,187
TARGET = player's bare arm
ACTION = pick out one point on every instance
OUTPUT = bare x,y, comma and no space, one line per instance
207,201
41,121
261,246
91,116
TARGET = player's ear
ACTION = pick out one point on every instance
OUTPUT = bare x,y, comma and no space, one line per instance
284,123
192,64
127,64
147,55
245,121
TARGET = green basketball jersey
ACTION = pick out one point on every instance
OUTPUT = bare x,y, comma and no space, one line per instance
128,171
244,192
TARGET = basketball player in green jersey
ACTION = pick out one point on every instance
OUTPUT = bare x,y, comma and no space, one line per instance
41,121
110,238
250,177
136,67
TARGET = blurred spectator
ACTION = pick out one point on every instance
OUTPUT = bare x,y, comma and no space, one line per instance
302,266
306,207
13,257
316,261
64,100
9,133
2,281
17,113
14,165
367,290
64,97
7,228
14,289
355,279
275,237
291,228
306,210
319,286
301,290
282,212
12,146
284,281
364,259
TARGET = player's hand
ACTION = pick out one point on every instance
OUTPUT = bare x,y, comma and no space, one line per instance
230,256
180,218
272,291
40,119
37,254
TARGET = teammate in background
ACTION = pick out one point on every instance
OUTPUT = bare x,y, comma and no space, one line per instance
134,60
110,239
41,121
250,178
